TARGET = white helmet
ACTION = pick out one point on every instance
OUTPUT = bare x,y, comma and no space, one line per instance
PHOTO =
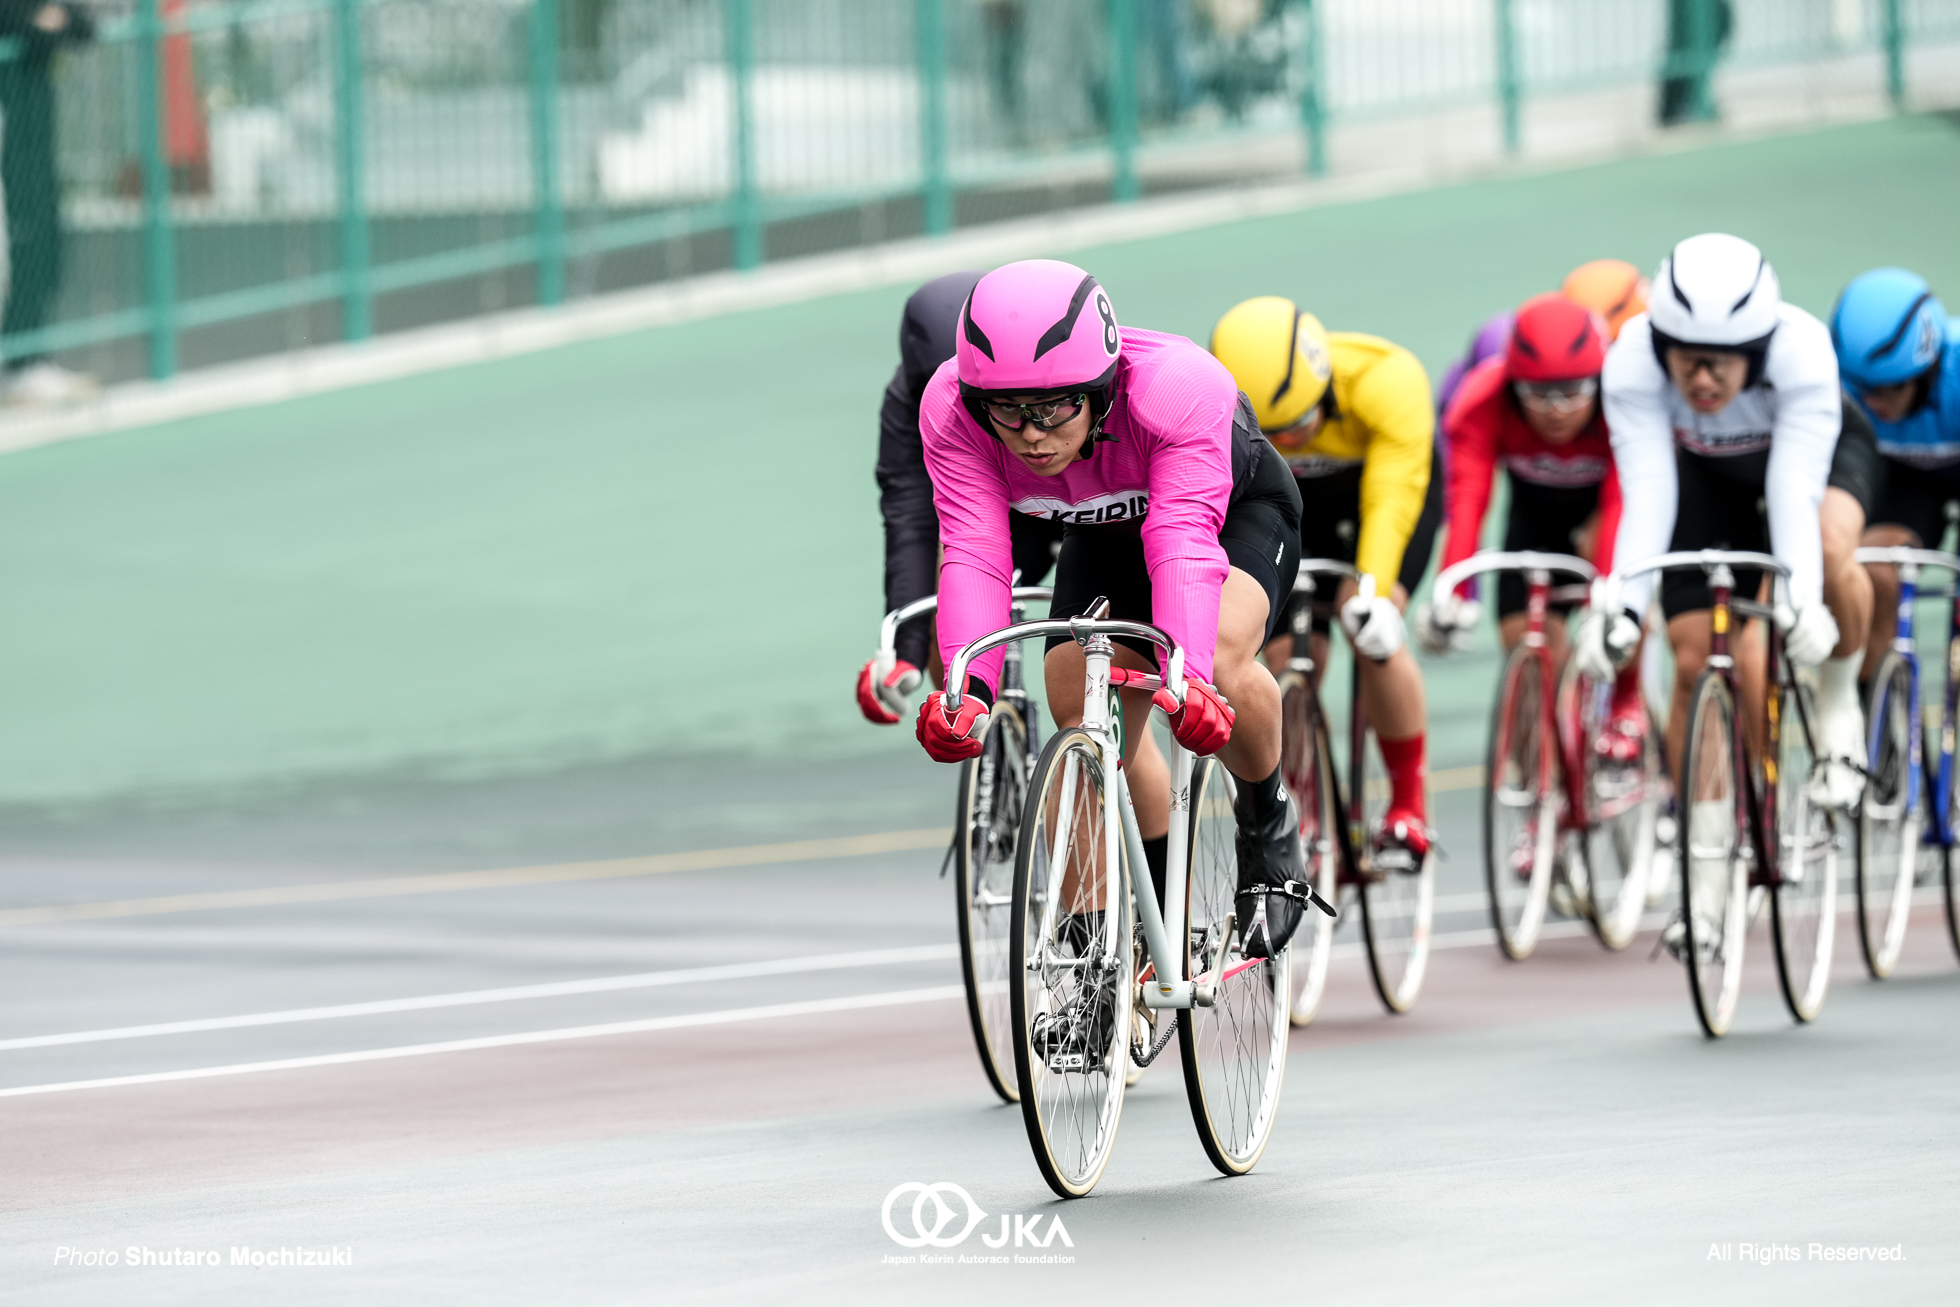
1716,290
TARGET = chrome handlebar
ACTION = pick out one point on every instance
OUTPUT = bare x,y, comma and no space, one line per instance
1079,629
1310,567
897,617
1524,560
1906,556
1606,589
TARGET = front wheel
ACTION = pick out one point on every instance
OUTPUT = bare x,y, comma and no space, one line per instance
1803,908
1307,763
1891,819
1398,897
992,793
1521,806
1613,855
1233,1047
1714,858
1071,970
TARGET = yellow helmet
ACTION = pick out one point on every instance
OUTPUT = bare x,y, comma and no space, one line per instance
1279,357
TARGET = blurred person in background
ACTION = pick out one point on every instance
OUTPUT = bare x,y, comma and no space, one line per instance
1612,288
1535,410
33,198
1351,414
1693,26
1731,430
1899,354
925,340
1004,22
1488,343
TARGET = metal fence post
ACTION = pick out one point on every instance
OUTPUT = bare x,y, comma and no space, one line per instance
740,39
550,220
1123,97
350,133
1313,110
1895,54
159,248
931,21
1510,87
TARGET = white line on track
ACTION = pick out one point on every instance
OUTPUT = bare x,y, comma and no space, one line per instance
510,994
773,1011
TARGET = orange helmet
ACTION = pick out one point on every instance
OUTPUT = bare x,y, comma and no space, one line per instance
1612,288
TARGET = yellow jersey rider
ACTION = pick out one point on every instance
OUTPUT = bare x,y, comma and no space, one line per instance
1353,416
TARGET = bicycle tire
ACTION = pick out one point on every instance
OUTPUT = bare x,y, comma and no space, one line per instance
988,814
1234,1049
1714,868
1397,906
1891,819
1520,806
1073,981
1619,828
1307,762
1803,906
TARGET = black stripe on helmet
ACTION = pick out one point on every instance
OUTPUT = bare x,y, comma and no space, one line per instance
1065,325
1898,335
1292,355
974,336
1754,282
1674,281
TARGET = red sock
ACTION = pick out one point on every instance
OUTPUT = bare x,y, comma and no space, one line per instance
1404,760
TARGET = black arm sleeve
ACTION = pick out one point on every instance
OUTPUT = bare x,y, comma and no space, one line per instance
911,521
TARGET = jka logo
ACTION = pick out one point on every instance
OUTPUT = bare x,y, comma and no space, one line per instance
934,1221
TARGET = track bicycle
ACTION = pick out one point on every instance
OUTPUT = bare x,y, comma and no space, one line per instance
1906,817
1750,830
1397,893
986,823
1556,812
1088,998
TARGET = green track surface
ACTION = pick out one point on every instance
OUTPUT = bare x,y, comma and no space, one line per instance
668,542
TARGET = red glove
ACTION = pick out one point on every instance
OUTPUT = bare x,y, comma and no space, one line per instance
883,689
952,737
1204,723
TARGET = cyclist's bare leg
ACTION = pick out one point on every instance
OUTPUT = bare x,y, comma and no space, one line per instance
1689,635
1885,593
1143,762
1510,630
1253,751
1847,585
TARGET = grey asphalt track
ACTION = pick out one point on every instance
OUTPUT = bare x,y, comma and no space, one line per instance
1549,1130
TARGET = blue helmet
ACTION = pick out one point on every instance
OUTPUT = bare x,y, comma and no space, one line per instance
1887,327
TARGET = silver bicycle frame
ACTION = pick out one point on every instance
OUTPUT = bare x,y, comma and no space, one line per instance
1160,928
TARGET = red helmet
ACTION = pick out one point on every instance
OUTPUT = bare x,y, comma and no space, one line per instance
1555,340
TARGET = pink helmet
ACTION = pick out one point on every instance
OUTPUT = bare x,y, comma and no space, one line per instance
1036,327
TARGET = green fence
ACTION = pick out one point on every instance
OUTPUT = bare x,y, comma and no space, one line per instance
242,178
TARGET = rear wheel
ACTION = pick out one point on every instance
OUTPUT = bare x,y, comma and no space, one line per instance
1613,858
1398,898
992,793
1072,976
1803,908
1234,1050
1714,868
1520,805
1891,818
1307,763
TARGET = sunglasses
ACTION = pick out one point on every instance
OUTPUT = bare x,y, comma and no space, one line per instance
1557,396
1046,414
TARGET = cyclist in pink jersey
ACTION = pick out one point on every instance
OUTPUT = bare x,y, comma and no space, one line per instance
1174,508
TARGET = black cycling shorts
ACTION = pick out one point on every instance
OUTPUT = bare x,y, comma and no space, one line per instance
1544,519
1261,536
1330,527
1917,499
1707,516
1036,541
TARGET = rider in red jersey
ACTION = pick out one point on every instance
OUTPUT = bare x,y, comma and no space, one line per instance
1535,410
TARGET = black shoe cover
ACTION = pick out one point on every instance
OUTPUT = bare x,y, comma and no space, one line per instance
1269,854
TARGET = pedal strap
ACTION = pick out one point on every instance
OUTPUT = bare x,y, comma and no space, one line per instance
1297,890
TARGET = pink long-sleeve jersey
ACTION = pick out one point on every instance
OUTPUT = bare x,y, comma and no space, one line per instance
1170,463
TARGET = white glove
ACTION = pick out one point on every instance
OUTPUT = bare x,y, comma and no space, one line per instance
1374,626
1809,633
1605,644
1448,625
